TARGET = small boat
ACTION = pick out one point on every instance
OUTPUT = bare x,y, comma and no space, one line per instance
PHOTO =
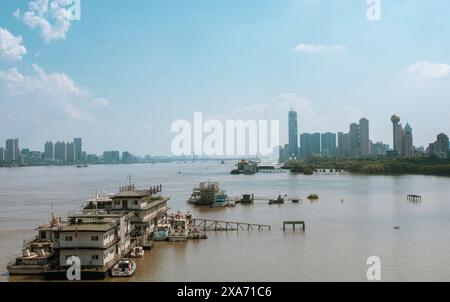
124,268
179,230
161,232
82,166
197,234
232,203
137,252
279,200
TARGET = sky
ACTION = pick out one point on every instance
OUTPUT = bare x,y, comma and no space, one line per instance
123,73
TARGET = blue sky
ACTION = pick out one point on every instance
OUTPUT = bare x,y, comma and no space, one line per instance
122,74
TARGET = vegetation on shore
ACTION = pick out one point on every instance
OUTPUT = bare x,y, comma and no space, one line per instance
373,166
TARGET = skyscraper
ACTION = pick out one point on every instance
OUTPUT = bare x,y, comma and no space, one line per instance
49,151
441,146
2,154
398,134
329,144
408,145
78,149
344,144
364,139
293,134
60,151
355,140
70,152
309,144
12,152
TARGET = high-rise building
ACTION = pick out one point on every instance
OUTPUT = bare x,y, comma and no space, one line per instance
379,148
70,152
344,144
111,157
60,151
364,137
12,151
355,140
309,144
329,144
49,150
398,134
293,134
78,149
2,154
126,157
408,144
441,146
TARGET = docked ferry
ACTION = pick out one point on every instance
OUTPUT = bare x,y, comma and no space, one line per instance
208,194
39,253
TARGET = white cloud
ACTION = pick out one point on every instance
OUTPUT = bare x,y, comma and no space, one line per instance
51,17
310,119
11,47
425,70
100,103
311,48
47,93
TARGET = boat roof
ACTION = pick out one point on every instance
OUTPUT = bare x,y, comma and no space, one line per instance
135,193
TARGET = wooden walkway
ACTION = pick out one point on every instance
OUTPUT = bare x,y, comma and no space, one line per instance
220,225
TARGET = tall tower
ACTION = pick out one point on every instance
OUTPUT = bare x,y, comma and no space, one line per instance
293,134
355,139
78,149
364,137
398,134
408,146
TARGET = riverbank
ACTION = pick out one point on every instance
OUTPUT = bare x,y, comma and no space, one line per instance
374,166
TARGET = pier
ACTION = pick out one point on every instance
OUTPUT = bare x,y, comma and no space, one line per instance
414,198
294,223
220,225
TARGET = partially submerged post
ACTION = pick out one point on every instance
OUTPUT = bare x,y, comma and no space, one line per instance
294,223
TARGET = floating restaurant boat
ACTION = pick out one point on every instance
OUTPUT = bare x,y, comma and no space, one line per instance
124,268
208,194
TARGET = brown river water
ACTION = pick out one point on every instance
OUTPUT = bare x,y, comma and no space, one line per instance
339,236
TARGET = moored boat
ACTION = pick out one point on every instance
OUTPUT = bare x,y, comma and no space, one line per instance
137,252
161,232
124,268
179,230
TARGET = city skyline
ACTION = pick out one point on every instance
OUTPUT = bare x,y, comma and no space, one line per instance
80,79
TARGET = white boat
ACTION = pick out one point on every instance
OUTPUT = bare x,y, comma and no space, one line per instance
179,229
137,252
124,268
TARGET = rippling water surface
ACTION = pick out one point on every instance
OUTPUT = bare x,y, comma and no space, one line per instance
338,240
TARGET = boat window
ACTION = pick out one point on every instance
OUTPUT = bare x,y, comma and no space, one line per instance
94,238
94,257
68,238
43,235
